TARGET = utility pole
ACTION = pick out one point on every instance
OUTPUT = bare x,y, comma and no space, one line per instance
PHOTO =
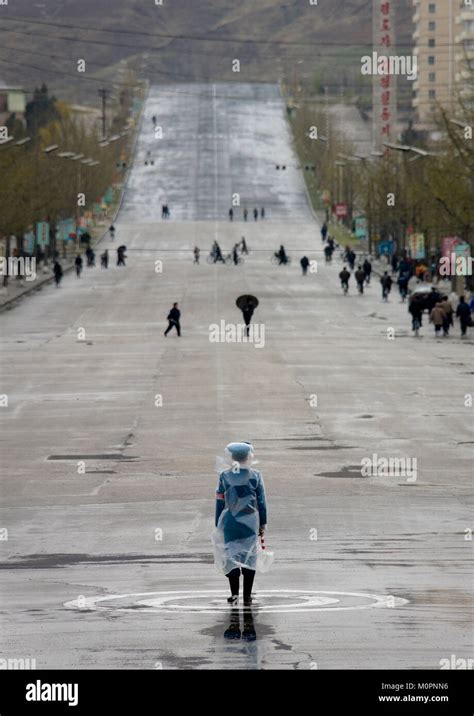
103,94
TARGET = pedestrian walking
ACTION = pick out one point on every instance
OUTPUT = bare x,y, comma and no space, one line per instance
262,212
90,256
78,263
112,232
350,257
448,310
324,232
281,256
402,282
328,251
58,273
174,320
463,312
231,215
255,214
415,307
386,283
243,243
437,318
367,266
240,519
235,254
394,263
360,278
304,265
197,253
344,277
246,214
104,259
121,256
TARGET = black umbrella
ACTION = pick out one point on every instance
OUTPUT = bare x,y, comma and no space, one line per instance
122,248
246,301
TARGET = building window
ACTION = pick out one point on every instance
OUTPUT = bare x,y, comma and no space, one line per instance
432,26
432,94
432,7
431,42
431,59
432,76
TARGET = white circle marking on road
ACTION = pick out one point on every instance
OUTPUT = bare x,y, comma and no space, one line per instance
213,600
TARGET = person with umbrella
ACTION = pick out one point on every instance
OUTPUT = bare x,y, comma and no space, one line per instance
121,255
247,305
240,518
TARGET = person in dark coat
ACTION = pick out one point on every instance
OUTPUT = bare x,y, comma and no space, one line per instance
58,273
386,283
367,266
246,214
360,278
104,259
121,256
350,257
304,265
403,285
416,309
255,214
247,313
344,277
231,214
463,312
324,231
174,320
433,298
78,264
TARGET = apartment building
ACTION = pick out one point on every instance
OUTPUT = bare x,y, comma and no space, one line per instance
443,43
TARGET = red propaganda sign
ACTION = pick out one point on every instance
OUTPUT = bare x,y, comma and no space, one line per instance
341,211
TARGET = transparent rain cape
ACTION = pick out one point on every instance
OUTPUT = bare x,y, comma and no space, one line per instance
235,538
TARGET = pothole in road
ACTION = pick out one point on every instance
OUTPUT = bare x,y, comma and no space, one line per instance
100,456
324,447
349,471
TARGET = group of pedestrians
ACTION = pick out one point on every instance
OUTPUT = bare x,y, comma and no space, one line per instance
104,259
438,306
216,254
441,312
362,275
245,214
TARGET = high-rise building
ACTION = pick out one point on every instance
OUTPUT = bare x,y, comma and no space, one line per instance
443,41
464,50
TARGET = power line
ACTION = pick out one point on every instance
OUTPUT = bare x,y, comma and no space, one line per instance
201,38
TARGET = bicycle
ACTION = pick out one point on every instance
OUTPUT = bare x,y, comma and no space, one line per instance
211,259
229,260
